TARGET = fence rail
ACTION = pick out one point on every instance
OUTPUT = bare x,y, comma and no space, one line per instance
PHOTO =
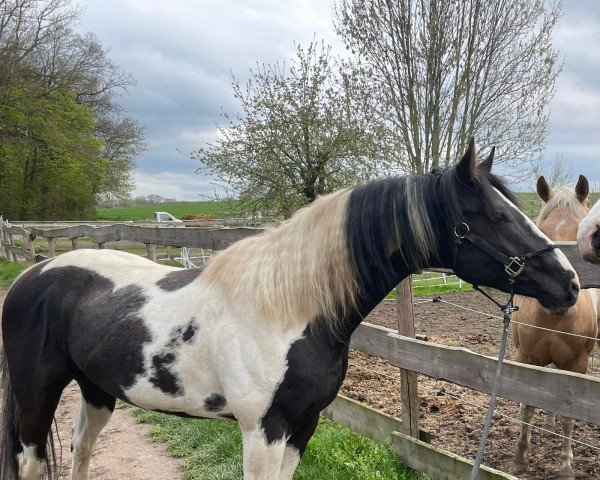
151,235
565,393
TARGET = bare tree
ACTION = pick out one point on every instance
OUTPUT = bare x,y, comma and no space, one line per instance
26,25
445,70
303,130
556,172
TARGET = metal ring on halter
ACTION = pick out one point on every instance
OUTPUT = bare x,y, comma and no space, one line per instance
465,233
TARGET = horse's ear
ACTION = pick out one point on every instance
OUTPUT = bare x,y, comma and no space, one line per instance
465,168
486,165
582,189
543,189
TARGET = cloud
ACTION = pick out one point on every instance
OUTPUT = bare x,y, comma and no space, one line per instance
174,185
182,53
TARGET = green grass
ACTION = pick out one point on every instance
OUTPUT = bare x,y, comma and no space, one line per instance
178,209
430,284
9,271
212,450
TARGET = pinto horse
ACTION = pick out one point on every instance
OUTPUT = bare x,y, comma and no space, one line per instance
261,335
559,218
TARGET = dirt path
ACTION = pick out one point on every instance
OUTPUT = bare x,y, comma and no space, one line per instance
123,450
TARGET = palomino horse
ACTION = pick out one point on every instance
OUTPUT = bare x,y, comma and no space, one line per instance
261,335
562,211
588,235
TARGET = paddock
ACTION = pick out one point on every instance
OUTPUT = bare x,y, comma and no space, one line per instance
451,414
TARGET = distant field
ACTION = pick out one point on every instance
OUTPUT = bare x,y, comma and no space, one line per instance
218,209
530,203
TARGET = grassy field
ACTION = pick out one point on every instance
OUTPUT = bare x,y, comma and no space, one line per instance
530,203
9,271
218,209
212,450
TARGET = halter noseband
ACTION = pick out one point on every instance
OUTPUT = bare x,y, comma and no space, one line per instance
513,266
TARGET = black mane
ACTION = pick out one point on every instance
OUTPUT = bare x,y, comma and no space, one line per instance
436,194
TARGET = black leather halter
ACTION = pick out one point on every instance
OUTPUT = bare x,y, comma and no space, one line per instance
513,266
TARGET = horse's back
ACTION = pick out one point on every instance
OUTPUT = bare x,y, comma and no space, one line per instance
84,308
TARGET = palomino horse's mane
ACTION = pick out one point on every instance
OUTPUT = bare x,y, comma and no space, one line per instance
565,200
312,266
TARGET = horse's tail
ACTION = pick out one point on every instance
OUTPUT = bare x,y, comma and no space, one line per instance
9,433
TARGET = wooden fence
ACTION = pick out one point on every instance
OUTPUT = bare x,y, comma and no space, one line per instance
150,235
569,394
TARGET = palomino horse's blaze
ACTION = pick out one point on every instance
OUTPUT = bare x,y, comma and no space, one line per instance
562,211
261,335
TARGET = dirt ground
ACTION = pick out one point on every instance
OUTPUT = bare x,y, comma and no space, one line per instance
123,451
455,418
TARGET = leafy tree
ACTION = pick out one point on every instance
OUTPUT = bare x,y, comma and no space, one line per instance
445,70
51,164
42,59
303,130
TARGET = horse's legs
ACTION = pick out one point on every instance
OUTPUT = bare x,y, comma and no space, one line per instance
36,412
566,456
94,413
549,422
520,462
579,365
295,447
262,460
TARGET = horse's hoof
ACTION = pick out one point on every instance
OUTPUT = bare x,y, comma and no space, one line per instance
519,468
566,474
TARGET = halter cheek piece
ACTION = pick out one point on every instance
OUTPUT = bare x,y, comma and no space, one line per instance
513,266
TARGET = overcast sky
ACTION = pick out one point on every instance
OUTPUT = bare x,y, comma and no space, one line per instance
181,53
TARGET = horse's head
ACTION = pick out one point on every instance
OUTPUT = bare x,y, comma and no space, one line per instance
495,244
563,209
588,235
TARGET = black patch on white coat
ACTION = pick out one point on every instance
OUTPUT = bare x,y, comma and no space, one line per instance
215,403
317,364
162,377
90,328
183,334
178,279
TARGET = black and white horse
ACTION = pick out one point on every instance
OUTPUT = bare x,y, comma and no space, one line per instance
261,335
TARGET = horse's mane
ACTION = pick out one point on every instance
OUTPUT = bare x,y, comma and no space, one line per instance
295,272
565,200
311,266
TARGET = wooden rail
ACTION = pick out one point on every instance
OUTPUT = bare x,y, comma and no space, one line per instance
565,393
151,235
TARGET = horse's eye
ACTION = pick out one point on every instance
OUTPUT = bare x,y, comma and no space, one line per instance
499,217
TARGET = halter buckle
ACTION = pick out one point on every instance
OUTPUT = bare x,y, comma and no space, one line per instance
515,267
457,231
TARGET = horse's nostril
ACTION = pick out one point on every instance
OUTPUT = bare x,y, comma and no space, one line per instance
575,286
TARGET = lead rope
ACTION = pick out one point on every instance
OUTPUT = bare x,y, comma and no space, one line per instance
507,311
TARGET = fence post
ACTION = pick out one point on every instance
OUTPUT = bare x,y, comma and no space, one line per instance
51,247
409,384
75,243
2,249
151,249
28,244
